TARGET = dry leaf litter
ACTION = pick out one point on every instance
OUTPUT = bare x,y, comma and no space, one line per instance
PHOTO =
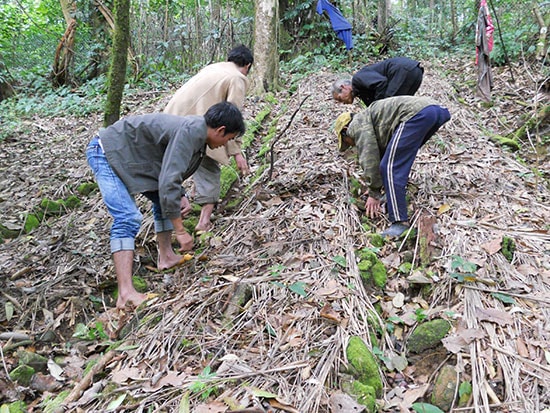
282,348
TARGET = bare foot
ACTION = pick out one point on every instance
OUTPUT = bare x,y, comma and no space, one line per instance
133,299
168,262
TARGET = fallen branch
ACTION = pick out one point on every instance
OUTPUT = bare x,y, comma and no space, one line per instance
281,134
77,391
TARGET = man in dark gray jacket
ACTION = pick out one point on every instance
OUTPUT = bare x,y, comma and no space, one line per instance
152,155
396,76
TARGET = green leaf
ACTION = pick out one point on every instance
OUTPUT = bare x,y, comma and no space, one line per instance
394,319
459,277
262,393
184,404
505,298
460,263
341,261
81,331
115,404
465,388
8,307
298,288
399,362
206,374
270,330
426,408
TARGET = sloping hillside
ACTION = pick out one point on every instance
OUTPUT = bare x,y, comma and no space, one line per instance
260,318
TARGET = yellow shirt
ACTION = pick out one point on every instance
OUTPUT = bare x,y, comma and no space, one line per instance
215,83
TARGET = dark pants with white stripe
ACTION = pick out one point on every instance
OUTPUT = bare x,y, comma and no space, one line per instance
400,153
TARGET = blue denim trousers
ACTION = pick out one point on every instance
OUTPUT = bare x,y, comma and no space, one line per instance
120,203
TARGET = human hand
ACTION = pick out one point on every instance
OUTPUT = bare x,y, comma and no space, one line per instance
185,206
372,207
242,164
185,240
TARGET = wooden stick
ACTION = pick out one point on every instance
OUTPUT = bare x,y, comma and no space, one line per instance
77,391
281,134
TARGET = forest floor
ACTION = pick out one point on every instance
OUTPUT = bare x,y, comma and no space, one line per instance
259,319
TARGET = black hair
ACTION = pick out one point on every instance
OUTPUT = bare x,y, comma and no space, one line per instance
241,56
225,114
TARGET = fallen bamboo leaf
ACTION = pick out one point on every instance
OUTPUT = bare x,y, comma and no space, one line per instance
443,208
115,404
328,313
282,406
212,407
493,246
342,403
495,316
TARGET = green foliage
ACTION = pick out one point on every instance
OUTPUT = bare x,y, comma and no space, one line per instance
97,332
202,386
15,407
419,315
426,408
340,260
276,269
52,404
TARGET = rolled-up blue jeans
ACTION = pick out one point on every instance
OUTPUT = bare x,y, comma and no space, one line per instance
120,203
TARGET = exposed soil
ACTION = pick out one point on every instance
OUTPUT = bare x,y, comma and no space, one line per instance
267,304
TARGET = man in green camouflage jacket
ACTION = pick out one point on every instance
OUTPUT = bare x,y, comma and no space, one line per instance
388,135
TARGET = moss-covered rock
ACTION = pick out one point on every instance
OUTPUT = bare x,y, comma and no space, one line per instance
376,240
139,284
15,407
36,361
9,231
445,388
31,222
71,202
508,246
365,395
51,207
371,269
363,365
22,374
87,188
190,223
428,335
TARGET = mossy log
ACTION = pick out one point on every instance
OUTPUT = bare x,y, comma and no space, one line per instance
540,120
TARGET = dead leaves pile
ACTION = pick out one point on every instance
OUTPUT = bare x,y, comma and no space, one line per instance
262,324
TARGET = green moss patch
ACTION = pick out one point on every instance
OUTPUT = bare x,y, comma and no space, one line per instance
371,269
428,335
363,366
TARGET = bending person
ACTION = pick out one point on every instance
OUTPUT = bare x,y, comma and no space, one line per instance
153,154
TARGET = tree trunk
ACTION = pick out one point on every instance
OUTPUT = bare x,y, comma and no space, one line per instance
266,56
61,68
383,12
117,71
453,20
542,48
6,89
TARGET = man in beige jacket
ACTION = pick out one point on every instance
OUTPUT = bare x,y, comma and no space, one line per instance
217,82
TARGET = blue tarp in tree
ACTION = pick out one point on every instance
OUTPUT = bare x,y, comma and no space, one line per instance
339,23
